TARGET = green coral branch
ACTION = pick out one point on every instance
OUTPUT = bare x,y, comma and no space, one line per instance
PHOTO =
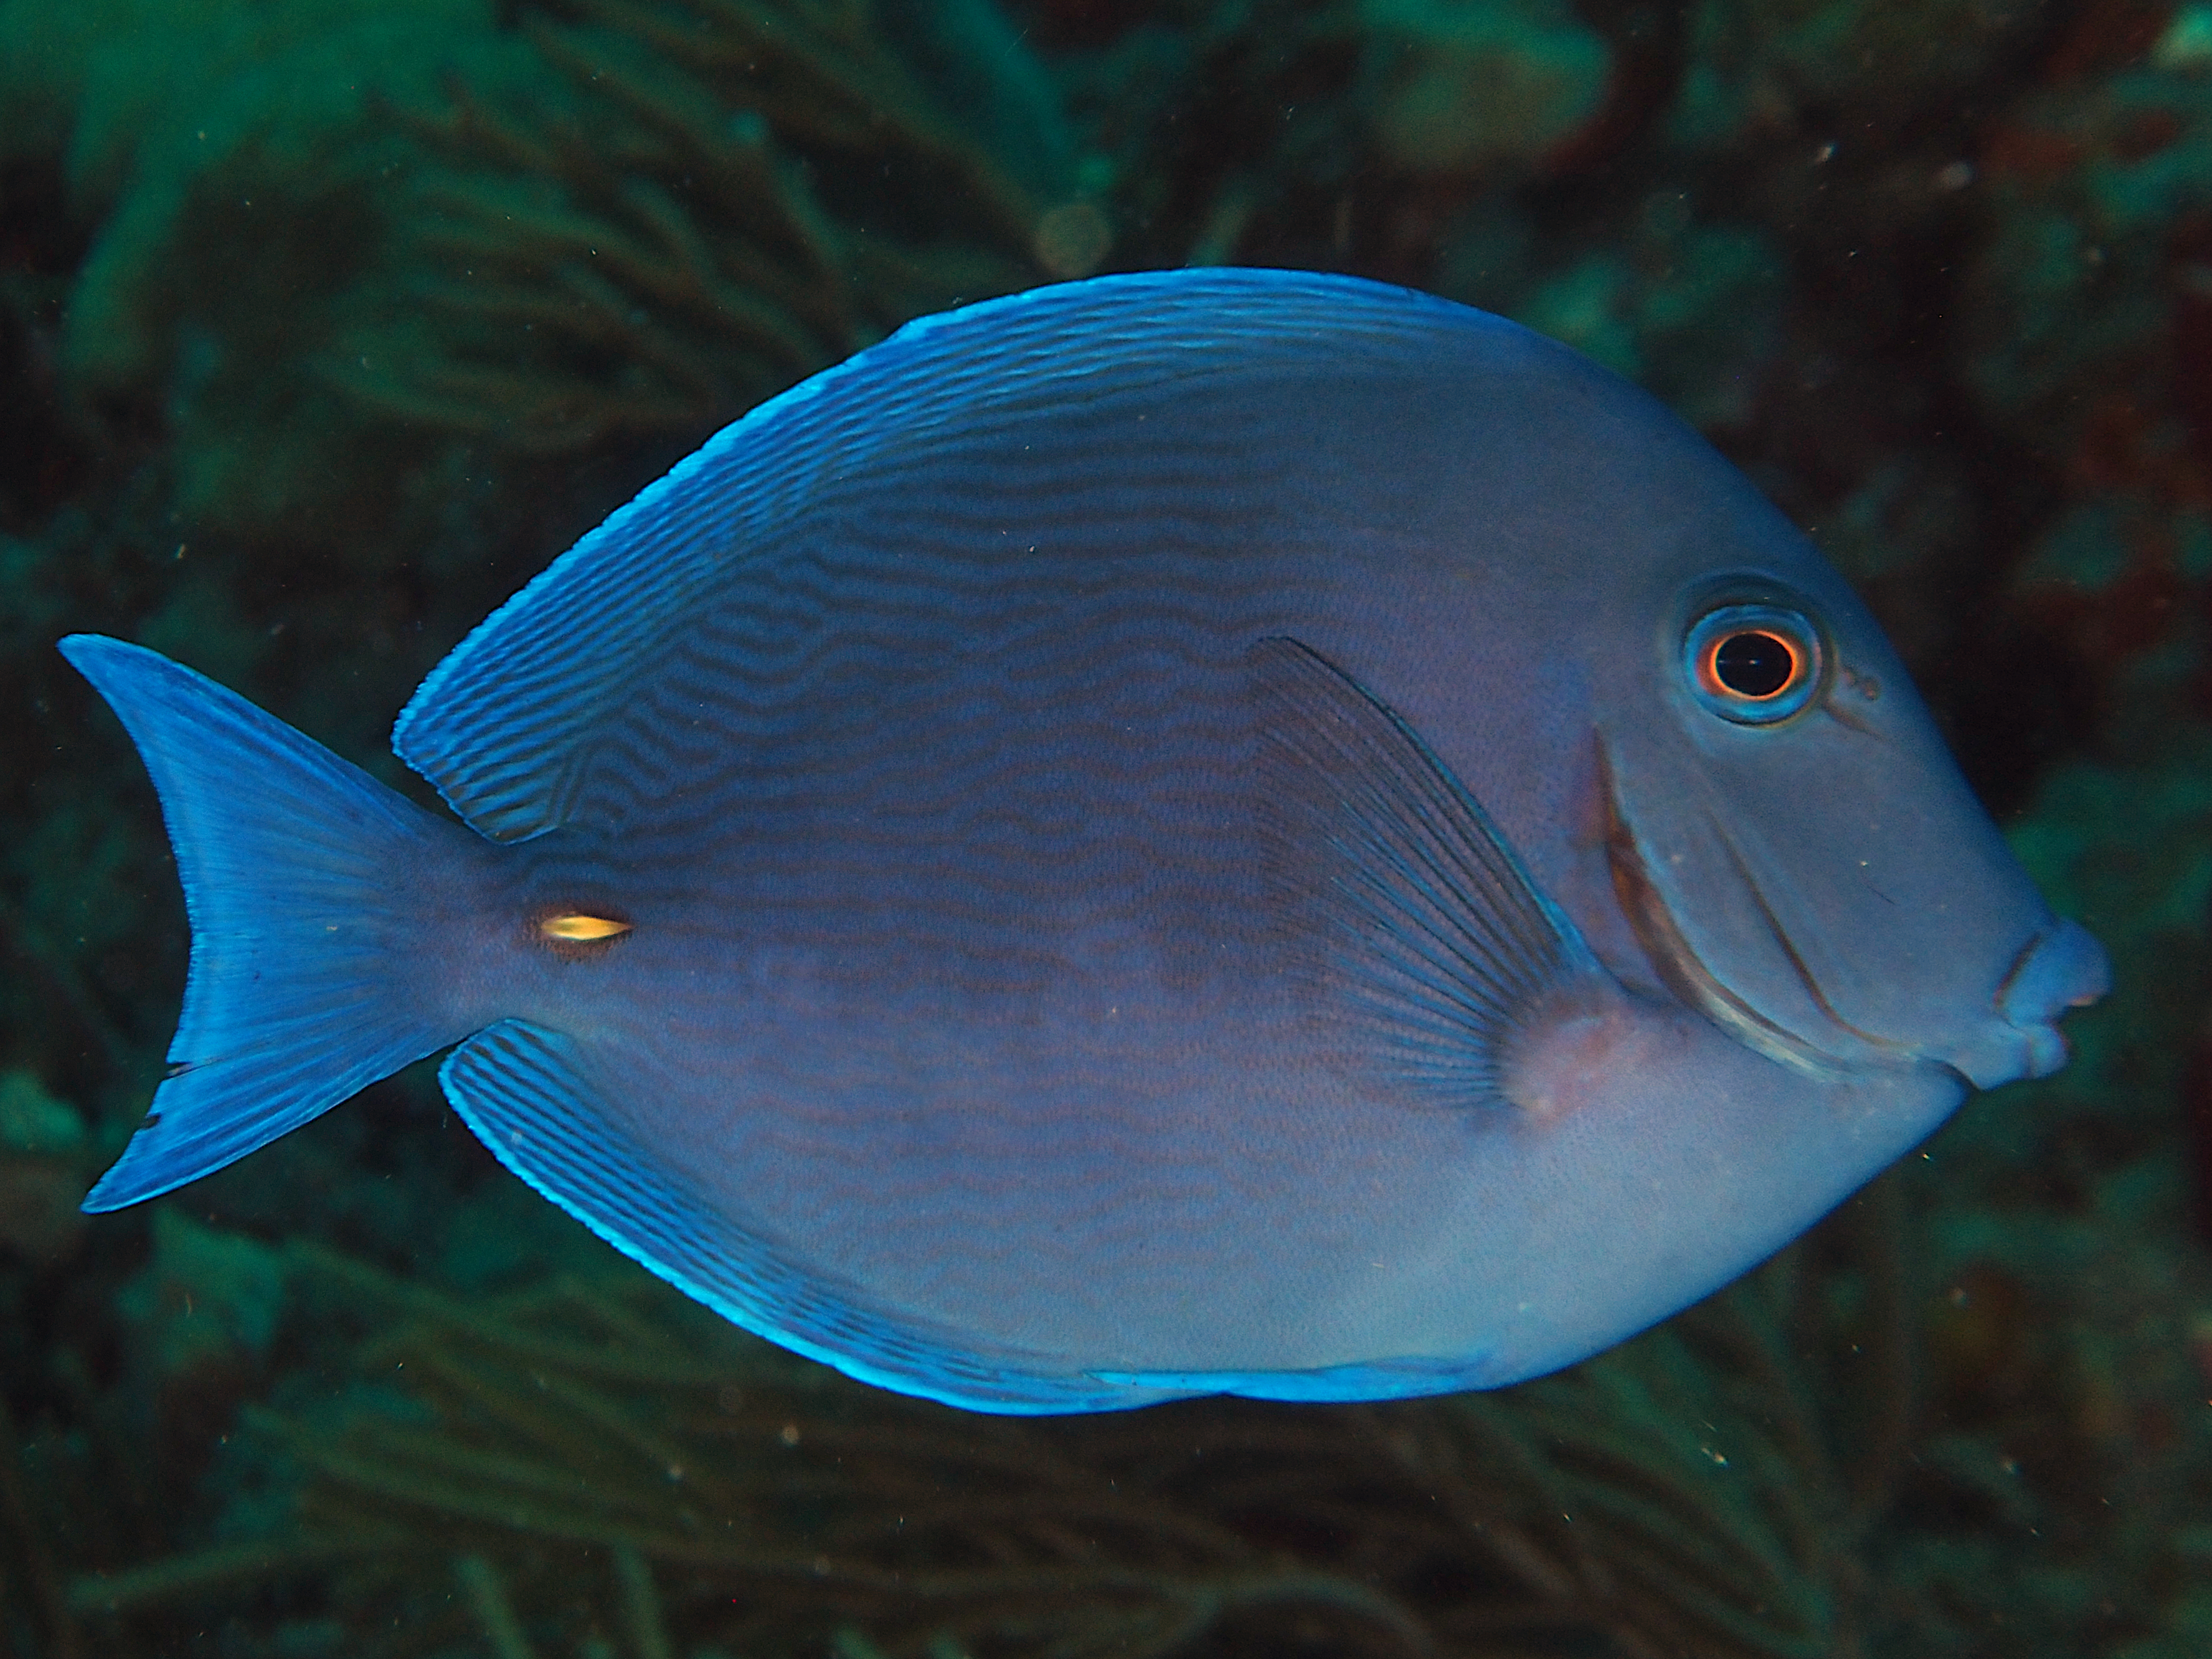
819,74
726,149
481,1582
760,204
646,1354
185,1577
661,253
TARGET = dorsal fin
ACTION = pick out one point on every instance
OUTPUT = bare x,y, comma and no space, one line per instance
507,724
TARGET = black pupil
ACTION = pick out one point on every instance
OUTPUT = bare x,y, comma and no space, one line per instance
1754,665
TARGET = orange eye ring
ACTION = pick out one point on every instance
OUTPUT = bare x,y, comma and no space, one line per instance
1753,665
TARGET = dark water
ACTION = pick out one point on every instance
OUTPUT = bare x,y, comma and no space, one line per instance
323,325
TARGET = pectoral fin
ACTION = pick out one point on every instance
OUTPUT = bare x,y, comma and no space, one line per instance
1413,926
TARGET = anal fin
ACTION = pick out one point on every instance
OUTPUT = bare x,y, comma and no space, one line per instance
530,1095
1378,1379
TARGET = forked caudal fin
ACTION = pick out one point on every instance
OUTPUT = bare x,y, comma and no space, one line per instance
309,886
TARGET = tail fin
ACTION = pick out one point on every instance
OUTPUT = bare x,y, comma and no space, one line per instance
305,880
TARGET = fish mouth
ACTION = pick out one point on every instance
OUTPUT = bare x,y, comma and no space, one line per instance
1682,971
2061,968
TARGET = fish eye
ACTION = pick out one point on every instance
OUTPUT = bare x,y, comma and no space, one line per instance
1756,664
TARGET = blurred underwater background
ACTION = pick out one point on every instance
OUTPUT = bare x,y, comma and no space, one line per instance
324,324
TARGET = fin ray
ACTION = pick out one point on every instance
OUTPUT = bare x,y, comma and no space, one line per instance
509,727
1411,917
529,1094
301,876
1413,1378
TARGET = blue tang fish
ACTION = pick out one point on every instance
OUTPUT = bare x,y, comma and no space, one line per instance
1209,831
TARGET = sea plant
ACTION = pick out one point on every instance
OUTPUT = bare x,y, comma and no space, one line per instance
595,1460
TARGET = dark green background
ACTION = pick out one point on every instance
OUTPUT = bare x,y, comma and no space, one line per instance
323,325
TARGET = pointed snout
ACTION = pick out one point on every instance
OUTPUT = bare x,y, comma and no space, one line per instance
2062,968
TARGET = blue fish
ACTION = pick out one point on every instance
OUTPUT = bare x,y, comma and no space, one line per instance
1215,831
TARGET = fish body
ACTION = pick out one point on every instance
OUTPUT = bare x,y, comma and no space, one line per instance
1209,831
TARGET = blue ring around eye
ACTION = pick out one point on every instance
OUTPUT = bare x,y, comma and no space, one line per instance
1754,665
